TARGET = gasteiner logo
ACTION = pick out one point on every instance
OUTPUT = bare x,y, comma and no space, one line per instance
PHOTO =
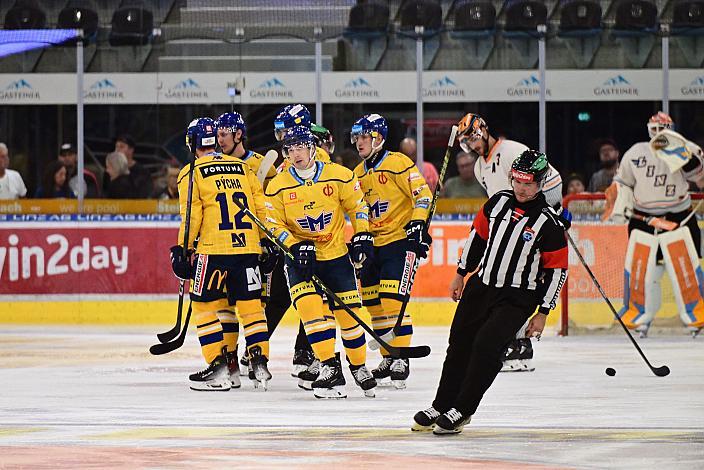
443,87
271,88
616,86
695,88
19,90
357,88
186,89
529,86
103,89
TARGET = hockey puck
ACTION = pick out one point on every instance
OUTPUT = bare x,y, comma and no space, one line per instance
610,371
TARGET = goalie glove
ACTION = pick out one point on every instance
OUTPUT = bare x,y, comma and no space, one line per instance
619,203
675,150
361,249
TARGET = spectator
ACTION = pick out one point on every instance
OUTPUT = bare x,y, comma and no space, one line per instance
11,184
68,155
409,147
171,189
575,184
465,185
54,183
140,176
608,158
121,185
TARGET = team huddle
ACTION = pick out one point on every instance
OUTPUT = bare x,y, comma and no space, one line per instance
260,240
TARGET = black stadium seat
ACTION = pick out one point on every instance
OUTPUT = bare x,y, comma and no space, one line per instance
525,15
580,15
26,14
636,15
369,17
426,13
478,16
79,18
131,27
688,14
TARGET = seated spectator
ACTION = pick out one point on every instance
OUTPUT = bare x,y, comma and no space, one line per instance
608,158
121,185
465,185
68,155
141,177
171,189
54,183
574,184
409,148
11,183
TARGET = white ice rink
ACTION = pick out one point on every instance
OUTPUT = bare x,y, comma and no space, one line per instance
91,398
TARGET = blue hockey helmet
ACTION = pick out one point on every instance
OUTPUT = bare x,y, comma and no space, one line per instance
231,122
201,132
290,116
298,136
373,124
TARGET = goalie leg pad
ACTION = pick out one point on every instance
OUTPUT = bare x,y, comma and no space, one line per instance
685,273
641,280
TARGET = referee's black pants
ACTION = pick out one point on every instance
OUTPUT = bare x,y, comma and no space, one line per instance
279,301
486,320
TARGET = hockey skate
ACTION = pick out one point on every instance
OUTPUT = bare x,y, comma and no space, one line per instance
233,369
694,331
400,370
518,356
244,362
308,376
642,330
364,379
259,373
331,382
425,420
383,372
215,378
302,359
451,422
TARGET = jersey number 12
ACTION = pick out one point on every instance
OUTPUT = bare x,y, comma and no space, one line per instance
226,224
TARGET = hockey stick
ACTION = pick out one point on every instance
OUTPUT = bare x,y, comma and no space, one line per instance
661,371
173,332
664,224
393,332
267,163
398,352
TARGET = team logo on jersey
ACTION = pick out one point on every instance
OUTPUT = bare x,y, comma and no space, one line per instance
638,162
315,224
292,196
378,208
517,214
328,190
383,179
528,234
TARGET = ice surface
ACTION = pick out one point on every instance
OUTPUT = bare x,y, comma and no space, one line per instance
93,398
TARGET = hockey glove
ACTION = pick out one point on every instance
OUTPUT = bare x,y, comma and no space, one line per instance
181,265
418,238
269,256
565,218
362,249
304,258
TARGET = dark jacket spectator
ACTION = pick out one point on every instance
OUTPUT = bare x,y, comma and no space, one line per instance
608,158
68,155
121,185
139,174
54,182
465,185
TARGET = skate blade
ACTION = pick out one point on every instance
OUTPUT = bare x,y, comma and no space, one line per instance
420,428
330,393
384,383
369,393
210,388
518,365
297,369
234,385
399,384
438,431
305,384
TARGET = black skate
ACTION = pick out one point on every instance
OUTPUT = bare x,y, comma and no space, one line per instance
233,369
302,359
259,373
215,378
364,379
331,382
244,362
383,371
518,356
308,376
451,422
399,373
425,420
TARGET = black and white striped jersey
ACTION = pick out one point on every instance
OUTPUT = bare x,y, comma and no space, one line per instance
519,245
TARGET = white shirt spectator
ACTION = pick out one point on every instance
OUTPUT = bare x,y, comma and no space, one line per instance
12,186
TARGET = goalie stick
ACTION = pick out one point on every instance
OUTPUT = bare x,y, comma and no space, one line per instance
167,336
661,371
267,163
393,332
398,352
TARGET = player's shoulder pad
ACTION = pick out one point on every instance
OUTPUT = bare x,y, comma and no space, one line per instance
322,155
184,172
359,170
334,172
396,163
281,181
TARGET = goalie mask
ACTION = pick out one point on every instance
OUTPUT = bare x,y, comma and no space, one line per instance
530,166
470,129
290,116
659,122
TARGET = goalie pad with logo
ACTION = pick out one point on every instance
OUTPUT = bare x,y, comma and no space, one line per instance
641,298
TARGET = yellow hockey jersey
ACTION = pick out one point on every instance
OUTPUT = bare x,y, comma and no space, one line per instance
320,155
219,224
396,193
315,209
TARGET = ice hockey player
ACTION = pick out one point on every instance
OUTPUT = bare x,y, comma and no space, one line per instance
399,201
518,245
323,138
225,277
290,116
306,207
651,190
493,170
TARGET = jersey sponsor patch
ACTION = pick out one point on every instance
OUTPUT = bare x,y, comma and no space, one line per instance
207,171
528,234
199,277
403,284
413,176
378,208
315,224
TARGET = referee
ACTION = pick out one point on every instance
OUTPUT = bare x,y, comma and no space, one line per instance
518,244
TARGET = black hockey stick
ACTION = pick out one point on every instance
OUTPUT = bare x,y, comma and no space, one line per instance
398,352
661,371
393,332
167,336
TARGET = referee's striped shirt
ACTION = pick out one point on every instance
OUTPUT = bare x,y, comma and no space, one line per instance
520,245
